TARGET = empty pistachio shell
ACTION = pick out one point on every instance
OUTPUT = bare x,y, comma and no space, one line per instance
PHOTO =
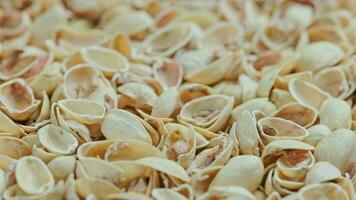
322,191
302,115
168,72
337,148
57,140
62,166
316,133
121,124
322,172
318,55
14,147
166,166
335,114
166,104
98,187
84,111
248,168
28,177
307,93
162,194
106,60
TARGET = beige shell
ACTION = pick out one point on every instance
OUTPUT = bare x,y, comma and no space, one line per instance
275,128
295,164
337,148
230,89
166,104
14,147
57,140
138,95
17,99
267,82
84,81
272,151
227,192
98,187
9,126
203,18
106,60
307,93
335,114
28,177
300,14
260,104
166,166
167,40
14,192
209,112
61,167
90,11
121,124
222,35
168,72
247,133
81,110
163,194
316,133
318,55
322,191
283,81
287,183
25,63
303,115
333,81
130,23
322,172
97,168
238,171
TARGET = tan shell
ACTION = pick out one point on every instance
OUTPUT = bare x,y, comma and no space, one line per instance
322,191
209,112
230,89
9,126
91,11
168,72
247,133
83,111
97,168
274,128
17,99
333,81
61,167
14,147
84,81
106,60
322,172
28,178
162,194
121,124
57,140
237,172
138,95
336,114
166,166
166,104
267,82
337,148
259,104
318,55
26,62
300,14
272,151
286,183
130,23
227,192
222,35
295,164
303,115
98,187
167,40
203,18
316,133
307,93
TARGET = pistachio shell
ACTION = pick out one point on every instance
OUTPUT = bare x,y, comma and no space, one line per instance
14,147
227,192
168,72
166,104
307,94
335,114
106,60
166,166
84,111
121,124
316,133
322,172
333,81
303,115
62,166
98,187
162,194
9,126
337,148
243,171
322,191
318,55
28,178
57,140
262,104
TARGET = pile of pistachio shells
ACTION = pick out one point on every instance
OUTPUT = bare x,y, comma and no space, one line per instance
178,99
